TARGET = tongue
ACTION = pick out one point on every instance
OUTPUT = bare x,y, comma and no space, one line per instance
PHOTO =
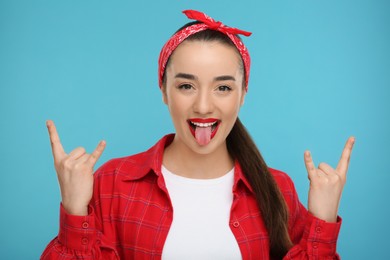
203,135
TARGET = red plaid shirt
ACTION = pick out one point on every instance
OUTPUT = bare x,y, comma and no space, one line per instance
130,215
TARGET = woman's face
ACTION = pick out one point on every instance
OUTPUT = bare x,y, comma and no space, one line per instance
204,92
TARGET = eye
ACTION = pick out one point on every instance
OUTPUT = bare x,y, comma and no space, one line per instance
224,88
185,87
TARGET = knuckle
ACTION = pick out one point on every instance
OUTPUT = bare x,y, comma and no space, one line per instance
81,150
81,167
325,181
67,164
334,178
93,155
77,166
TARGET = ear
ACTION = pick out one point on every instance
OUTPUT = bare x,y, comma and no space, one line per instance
243,98
164,95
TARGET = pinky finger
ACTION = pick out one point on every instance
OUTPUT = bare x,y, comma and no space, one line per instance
97,153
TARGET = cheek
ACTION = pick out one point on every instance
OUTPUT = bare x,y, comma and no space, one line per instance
232,106
176,105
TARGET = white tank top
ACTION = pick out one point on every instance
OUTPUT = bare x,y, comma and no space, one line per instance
201,211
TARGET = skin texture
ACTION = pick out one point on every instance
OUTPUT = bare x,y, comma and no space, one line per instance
210,88
204,80
326,184
74,172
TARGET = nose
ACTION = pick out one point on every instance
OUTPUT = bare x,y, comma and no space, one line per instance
203,103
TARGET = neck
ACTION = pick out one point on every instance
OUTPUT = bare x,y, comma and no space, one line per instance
181,160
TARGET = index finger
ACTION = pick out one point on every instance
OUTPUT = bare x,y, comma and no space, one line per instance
56,146
342,166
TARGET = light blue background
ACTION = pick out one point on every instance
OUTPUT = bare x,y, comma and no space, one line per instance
321,72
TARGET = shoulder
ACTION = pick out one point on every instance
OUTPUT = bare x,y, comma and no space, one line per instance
286,186
137,165
117,175
124,165
283,180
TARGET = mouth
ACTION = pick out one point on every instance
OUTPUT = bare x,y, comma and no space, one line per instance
203,130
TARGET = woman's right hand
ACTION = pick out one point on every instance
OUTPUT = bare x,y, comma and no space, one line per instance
74,172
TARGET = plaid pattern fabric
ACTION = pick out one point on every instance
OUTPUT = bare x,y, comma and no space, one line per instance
130,215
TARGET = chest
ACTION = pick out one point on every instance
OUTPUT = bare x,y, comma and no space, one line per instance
140,219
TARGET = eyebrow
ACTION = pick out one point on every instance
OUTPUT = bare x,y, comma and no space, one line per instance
193,77
185,76
224,78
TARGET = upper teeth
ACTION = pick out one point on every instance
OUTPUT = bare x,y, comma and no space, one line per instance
203,124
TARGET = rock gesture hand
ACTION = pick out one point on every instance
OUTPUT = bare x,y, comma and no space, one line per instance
326,184
74,172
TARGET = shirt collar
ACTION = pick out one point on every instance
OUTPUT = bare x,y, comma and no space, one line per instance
240,178
138,166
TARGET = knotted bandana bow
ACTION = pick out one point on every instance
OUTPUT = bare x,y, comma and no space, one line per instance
206,23
212,24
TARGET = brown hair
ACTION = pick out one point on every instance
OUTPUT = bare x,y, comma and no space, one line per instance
267,193
242,148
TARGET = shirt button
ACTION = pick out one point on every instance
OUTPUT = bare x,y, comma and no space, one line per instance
318,229
315,245
85,225
236,224
84,241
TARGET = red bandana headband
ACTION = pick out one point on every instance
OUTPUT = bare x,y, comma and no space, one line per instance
207,23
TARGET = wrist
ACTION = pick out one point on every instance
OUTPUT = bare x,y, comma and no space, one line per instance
330,218
75,210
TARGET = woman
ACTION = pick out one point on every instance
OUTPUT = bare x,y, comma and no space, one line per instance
204,192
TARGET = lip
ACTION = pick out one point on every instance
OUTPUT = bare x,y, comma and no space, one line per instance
204,120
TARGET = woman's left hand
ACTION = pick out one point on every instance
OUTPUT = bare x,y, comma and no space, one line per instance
326,184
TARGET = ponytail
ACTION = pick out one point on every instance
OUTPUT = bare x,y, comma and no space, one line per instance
267,194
